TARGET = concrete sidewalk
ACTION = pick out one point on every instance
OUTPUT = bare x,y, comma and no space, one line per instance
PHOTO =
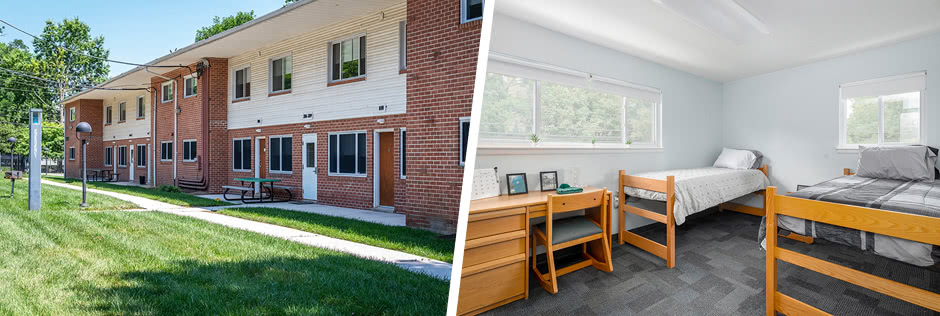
437,269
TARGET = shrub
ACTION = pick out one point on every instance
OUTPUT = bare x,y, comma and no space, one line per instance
169,188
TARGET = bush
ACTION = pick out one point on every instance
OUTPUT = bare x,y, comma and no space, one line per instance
169,188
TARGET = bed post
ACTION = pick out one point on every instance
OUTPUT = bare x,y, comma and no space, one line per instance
770,234
621,211
670,222
847,172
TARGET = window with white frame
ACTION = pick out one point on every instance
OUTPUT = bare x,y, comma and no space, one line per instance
528,105
166,92
122,156
402,45
401,149
464,138
471,10
107,115
122,112
141,107
166,151
280,73
347,152
241,154
281,154
348,58
242,84
882,111
71,114
189,86
108,156
141,155
71,153
189,150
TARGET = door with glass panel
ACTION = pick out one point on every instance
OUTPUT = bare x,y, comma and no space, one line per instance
310,166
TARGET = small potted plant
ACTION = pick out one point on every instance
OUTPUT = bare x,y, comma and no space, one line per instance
535,140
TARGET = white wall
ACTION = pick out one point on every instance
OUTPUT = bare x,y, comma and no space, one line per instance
132,127
792,115
691,111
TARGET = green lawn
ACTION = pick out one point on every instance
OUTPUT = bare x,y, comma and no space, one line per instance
65,262
405,239
56,199
181,199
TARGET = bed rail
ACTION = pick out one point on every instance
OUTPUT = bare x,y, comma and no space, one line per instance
919,228
668,186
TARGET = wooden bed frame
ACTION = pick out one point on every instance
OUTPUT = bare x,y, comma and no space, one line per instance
668,186
919,228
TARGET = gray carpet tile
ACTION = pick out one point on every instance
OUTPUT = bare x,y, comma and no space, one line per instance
719,271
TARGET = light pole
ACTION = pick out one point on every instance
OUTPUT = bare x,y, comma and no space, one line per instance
83,127
12,141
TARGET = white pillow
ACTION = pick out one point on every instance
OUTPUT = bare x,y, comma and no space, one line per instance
735,159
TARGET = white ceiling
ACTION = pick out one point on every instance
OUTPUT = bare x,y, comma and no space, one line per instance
801,31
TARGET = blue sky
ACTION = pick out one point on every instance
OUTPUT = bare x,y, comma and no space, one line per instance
134,31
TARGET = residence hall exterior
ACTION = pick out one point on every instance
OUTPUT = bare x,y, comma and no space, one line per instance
361,104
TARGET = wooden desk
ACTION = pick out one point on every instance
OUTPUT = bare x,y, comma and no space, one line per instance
495,261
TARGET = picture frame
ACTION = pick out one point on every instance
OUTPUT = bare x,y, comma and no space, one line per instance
548,180
516,183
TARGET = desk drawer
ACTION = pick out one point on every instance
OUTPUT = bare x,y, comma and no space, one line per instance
496,222
495,247
491,287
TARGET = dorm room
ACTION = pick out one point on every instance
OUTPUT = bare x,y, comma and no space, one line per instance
705,138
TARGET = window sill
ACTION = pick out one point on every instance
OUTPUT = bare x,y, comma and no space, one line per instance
241,100
189,96
336,83
237,170
348,175
274,94
547,149
121,122
166,101
141,118
107,124
402,71
189,161
472,23
280,172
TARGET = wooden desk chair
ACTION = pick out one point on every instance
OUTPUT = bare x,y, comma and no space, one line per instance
572,231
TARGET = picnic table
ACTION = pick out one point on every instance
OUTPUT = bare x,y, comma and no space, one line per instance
260,198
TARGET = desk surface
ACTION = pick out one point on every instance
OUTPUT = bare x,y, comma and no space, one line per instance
507,201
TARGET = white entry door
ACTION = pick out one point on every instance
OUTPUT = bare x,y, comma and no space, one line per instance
131,165
310,166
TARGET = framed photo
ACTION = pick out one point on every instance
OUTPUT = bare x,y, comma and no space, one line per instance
516,183
548,180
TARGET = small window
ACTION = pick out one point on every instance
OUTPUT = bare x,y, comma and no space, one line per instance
166,151
402,45
281,155
464,138
401,150
471,10
348,59
189,150
886,111
281,74
241,154
189,86
122,156
348,153
122,112
71,114
141,107
71,153
107,115
108,156
166,92
141,155
242,83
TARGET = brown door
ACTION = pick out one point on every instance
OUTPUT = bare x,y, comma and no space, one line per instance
263,158
387,169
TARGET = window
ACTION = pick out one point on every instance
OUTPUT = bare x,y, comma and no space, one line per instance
122,112
348,153
108,156
189,86
348,59
242,83
241,154
166,92
882,111
189,150
402,45
281,158
71,114
122,156
141,107
71,153
401,150
281,74
107,115
141,155
166,151
464,138
471,10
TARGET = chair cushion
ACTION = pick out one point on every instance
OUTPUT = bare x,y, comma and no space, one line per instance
571,228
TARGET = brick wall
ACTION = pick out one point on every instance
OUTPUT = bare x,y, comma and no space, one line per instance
124,172
442,59
89,111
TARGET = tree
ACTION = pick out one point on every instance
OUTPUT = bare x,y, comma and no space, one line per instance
219,25
19,92
67,53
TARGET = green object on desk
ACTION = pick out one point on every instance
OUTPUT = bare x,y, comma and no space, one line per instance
564,188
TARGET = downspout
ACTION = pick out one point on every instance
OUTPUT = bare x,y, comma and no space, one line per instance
152,165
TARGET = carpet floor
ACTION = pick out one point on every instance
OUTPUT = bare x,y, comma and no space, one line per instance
719,271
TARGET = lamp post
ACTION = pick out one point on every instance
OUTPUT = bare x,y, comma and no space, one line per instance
83,127
12,141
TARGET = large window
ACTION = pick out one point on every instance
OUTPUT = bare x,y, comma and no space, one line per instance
241,154
141,107
107,115
108,156
242,83
882,111
281,72
189,150
122,112
348,153
141,155
348,59
566,110
471,10
281,158
122,156
190,86
166,151
166,92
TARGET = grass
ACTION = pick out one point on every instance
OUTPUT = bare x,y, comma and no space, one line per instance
56,199
405,239
64,262
181,199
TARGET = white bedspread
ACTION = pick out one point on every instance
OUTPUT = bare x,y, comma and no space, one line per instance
701,188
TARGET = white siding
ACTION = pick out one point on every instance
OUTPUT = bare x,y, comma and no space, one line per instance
132,127
310,93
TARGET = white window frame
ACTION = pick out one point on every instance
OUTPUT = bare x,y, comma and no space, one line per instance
357,174
109,156
119,164
251,147
172,94
402,46
72,153
195,156
330,58
463,12
286,56
141,107
462,160
122,112
162,145
402,160
72,114
246,93
844,147
271,143
108,115
139,153
186,87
